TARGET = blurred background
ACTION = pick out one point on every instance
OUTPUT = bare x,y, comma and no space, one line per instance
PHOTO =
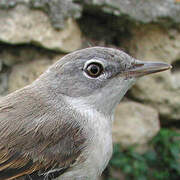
36,33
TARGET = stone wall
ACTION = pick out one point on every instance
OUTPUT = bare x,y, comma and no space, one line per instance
36,33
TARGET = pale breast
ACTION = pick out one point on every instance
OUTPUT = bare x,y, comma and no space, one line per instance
99,130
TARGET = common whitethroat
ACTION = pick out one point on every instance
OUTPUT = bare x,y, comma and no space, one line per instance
61,124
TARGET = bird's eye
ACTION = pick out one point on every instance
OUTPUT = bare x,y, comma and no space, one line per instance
94,69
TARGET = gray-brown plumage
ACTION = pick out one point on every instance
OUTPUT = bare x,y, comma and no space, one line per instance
26,143
60,125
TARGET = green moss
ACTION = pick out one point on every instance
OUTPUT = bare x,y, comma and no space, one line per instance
160,163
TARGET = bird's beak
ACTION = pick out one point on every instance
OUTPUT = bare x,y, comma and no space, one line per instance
140,68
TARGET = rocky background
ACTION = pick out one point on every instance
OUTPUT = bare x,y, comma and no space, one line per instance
36,33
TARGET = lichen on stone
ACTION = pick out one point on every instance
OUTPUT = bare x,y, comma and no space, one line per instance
58,10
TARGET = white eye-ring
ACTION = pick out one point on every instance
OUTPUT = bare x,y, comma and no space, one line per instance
93,68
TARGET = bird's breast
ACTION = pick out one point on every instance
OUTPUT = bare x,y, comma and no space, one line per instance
99,141
101,145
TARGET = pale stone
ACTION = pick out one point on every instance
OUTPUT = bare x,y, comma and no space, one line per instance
23,25
135,124
26,73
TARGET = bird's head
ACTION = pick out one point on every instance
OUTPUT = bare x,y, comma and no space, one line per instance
98,76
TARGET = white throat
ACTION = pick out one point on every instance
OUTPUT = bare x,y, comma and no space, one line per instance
100,128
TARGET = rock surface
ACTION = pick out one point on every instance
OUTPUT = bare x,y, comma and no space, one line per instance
144,11
141,11
25,73
10,55
135,124
161,90
24,25
57,10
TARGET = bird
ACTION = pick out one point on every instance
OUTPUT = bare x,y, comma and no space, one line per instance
60,126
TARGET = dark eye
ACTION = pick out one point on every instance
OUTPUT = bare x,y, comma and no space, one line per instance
94,69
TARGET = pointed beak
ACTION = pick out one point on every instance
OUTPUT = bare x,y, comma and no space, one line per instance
140,68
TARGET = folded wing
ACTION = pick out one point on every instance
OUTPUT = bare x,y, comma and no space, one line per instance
36,138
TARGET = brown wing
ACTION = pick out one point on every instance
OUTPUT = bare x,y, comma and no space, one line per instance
13,165
36,138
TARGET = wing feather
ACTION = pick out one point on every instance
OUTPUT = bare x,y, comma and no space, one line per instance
35,138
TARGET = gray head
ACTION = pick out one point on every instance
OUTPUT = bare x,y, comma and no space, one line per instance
97,76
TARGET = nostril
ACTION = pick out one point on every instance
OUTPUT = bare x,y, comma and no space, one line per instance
136,64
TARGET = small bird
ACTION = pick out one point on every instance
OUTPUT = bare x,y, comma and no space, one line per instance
61,124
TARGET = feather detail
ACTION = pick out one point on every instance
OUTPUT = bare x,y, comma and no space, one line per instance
36,141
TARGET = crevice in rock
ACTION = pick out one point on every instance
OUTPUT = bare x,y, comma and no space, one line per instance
169,123
32,45
4,76
104,28
176,67
11,54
